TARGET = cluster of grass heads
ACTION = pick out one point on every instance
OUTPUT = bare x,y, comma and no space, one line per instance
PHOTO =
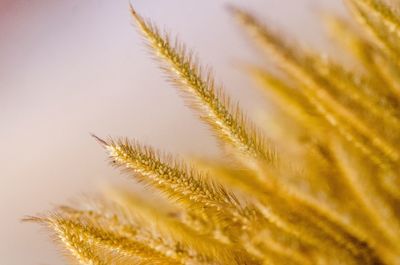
321,186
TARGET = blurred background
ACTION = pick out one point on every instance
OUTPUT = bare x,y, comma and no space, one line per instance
69,68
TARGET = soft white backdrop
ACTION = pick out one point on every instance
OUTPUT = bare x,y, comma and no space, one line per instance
68,68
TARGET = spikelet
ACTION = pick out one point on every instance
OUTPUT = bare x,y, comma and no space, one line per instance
331,198
214,106
174,178
77,246
82,238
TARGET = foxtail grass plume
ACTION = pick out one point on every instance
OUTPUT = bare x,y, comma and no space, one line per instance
321,186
